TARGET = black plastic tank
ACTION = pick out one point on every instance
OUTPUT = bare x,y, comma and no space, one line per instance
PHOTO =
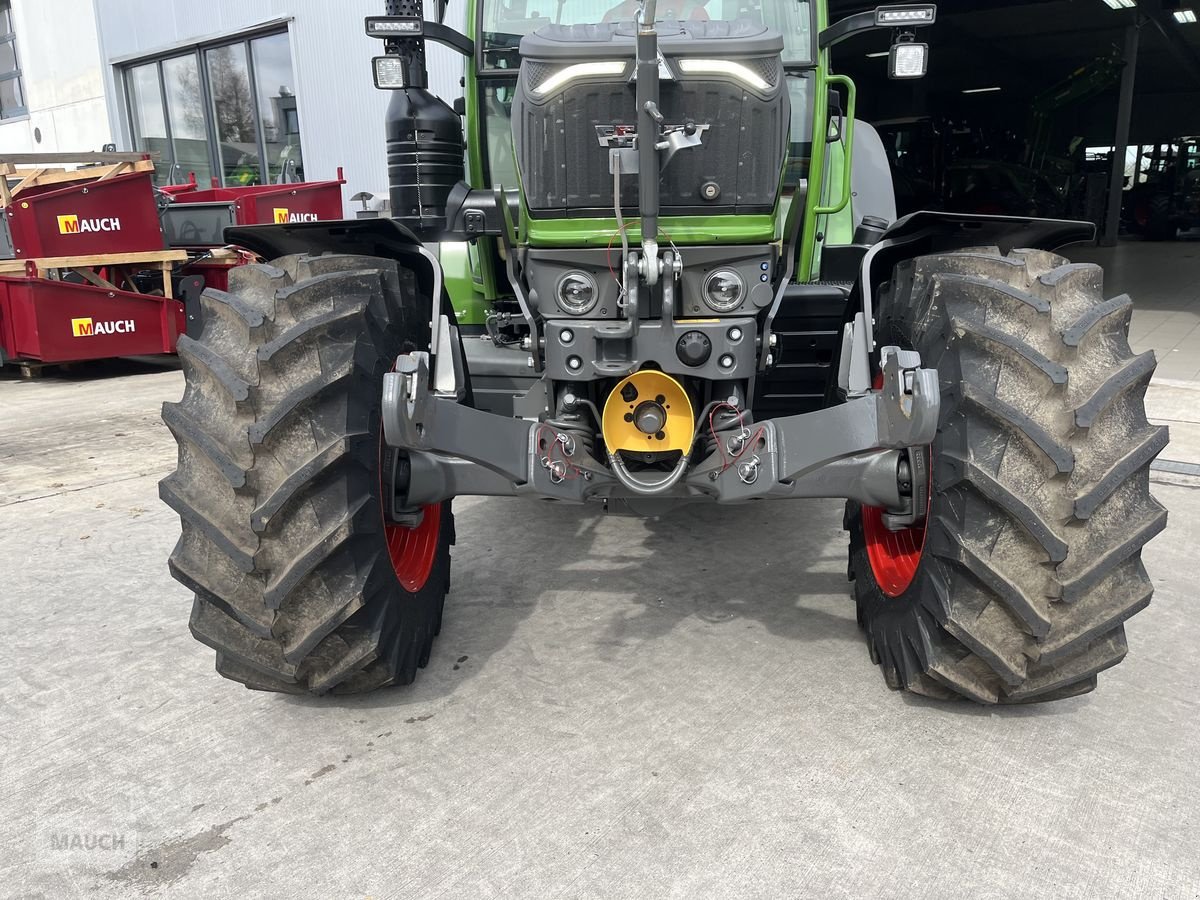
425,159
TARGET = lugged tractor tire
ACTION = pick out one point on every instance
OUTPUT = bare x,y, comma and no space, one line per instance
1018,585
299,585
1161,227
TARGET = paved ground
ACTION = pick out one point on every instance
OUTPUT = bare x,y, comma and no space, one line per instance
1163,277
619,716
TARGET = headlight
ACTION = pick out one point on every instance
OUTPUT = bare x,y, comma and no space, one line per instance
389,73
908,60
724,290
567,74
742,73
577,293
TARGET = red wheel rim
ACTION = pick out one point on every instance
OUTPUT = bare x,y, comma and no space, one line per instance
414,550
895,556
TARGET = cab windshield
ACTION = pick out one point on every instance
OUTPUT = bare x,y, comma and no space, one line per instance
505,23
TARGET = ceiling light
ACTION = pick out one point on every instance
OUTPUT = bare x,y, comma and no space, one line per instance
1121,4
986,90
879,54
1184,16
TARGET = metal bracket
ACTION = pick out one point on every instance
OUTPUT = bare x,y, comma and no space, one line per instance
910,400
854,367
406,400
627,329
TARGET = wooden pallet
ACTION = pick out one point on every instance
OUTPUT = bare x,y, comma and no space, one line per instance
119,268
36,170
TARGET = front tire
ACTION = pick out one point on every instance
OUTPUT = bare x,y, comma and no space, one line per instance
1030,557
300,585
1161,227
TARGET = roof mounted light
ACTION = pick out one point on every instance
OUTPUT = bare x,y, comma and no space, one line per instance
1120,4
886,16
743,73
908,15
567,74
1184,16
394,26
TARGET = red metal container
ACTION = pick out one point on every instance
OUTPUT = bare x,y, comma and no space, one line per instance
185,188
86,218
56,321
276,204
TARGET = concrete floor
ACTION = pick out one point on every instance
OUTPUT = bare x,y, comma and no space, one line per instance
1163,278
610,711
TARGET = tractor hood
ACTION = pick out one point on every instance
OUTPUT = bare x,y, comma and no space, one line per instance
576,85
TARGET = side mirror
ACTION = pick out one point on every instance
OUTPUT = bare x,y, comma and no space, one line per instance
908,59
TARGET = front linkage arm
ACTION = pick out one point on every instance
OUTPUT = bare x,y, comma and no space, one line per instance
853,450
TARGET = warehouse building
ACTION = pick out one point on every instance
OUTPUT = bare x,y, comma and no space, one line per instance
52,89
250,90
244,91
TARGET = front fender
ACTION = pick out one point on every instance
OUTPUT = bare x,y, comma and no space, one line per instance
920,233
362,237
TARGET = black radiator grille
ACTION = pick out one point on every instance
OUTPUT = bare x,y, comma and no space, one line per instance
565,171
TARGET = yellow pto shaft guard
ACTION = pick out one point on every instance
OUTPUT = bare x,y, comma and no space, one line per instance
649,411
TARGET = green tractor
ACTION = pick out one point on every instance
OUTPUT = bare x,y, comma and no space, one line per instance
651,259
1165,196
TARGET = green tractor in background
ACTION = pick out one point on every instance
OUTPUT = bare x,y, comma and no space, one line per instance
1164,198
651,259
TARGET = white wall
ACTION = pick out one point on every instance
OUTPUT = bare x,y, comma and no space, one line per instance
341,113
62,77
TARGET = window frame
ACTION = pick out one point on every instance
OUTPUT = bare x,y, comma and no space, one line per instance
199,51
10,37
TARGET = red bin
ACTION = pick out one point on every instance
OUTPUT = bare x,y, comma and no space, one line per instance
117,215
276,204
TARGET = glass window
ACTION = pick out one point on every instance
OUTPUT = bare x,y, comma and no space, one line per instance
234,115
502,162
277,108
147,117
505,22
800,91
12,94
227,111
185,111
